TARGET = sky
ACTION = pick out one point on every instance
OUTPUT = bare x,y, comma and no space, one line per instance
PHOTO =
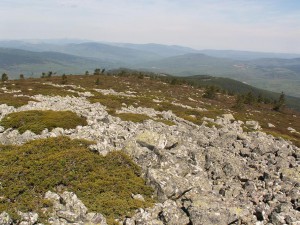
256,25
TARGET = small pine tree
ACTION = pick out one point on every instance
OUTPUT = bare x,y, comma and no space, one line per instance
98,81
141,76
239,102
50,74
4,77
86,72
174,81
280,104
21,76
210,92
97,71
64,79
249,99
102,71
260,98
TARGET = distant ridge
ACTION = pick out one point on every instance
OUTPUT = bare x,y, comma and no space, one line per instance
16,61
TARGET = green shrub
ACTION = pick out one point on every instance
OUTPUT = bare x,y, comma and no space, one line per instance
36,120
104,184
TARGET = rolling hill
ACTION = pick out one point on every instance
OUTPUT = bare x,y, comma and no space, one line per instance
122,56
16,61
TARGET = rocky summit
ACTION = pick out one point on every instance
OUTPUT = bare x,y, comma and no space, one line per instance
216,172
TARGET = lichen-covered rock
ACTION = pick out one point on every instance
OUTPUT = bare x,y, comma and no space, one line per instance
68,209
5,219
29,218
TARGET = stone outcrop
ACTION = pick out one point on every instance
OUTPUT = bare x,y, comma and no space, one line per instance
200,175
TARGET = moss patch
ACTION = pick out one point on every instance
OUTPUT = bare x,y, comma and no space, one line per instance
104,184
36,120
167,122
136,118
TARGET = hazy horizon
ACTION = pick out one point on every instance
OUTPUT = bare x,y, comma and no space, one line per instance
263,26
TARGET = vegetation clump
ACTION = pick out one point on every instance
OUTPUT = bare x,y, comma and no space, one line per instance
4,77
210,92
104,184
37,120
11,100
136,118
280,104
64,79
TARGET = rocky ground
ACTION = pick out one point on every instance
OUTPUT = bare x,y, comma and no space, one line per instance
201,175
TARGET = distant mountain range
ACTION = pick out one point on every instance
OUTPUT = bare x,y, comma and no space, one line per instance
271,71
16,61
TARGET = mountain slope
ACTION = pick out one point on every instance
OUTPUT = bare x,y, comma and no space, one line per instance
238,87
194,63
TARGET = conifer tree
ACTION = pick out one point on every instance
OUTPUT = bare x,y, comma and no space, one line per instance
4,77
64,79
97,71
210,92
98,81
239,103
280,104
249,99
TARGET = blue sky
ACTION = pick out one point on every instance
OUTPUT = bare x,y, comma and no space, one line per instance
259,25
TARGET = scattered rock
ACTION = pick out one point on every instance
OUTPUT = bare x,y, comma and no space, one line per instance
254,124
271,125
138,197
